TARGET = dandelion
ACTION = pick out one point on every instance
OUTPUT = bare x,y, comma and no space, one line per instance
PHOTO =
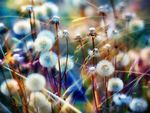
105,68
70,64
22,27
37,99
30,45
136,25
121,99
51,8
92,70
138,105
123,59
35,82
115,84
104,9
46,33
18,58
9,87
46,108
94,53
48,59
43,43
3,28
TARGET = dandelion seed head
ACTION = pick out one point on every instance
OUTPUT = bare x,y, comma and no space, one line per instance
48,34
35,82
78,36
37,99
94,53
18,58
123,59
70,64
22,27
92,70
55,19
30,45
43,43
105,68
138,105
115,84
92,31
136,25
9,87
66,33
51,8
47,108
121,99
3,28
128,16
104,9
48,59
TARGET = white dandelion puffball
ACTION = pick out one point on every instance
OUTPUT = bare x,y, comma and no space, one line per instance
51,8
48,59
37,99
70,64
35,82
138,105
46,33
30,45
22,27
123,59
115,84
43,44
121,99
46,108
9,87
94,53
105,68
136,25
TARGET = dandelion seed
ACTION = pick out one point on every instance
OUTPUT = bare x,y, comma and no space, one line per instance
105,68
35,82
138,105
70,64
9,87
48,59
43,43
115,84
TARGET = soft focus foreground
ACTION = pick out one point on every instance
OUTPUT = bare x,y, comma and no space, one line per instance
74,56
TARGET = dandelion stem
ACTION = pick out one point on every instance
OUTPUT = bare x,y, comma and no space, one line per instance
82,49
94,96
113,7
14,106
58,53
65,74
